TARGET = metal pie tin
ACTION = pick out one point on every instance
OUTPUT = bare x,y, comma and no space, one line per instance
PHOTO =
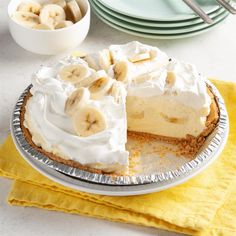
159,179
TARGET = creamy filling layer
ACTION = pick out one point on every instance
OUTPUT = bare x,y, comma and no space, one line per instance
162,115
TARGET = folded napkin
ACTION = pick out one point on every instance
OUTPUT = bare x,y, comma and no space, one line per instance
204,205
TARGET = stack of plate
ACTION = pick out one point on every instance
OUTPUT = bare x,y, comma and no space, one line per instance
158,19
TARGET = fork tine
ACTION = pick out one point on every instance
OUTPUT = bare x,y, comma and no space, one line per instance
227,6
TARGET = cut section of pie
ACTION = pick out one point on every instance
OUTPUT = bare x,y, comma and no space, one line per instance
79,111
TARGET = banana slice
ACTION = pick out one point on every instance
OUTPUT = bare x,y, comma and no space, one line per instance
100,87
32,7
69,15
80,54
74,73
171,78
74,9
105,59
121,71
140,57
99,61
115,91
153,54
76,100
61,3
92,61
88,121
51,15
42,27
95,75
63,24
26,19
86,82
100,74
145,77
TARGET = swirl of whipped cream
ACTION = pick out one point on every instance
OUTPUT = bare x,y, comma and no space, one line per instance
149,88
158,60
189,87
52,129
127,51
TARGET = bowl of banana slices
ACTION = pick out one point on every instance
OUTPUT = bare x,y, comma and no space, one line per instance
49,27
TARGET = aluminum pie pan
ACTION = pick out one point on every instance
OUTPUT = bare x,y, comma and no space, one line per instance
206,155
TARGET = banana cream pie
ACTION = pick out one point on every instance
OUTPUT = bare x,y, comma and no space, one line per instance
78,112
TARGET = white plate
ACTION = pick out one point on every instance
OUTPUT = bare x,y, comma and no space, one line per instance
88,187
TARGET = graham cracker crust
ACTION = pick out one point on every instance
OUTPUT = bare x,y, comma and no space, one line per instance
188,146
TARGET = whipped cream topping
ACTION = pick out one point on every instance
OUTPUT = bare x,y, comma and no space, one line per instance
150,87
53,130
127,51
189,87
157,62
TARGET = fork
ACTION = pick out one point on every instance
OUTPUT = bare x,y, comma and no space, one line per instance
227,6
195,7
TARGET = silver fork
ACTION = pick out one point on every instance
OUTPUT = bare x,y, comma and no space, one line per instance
227,6
197,9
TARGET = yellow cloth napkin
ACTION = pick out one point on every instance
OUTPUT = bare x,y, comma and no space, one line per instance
204,205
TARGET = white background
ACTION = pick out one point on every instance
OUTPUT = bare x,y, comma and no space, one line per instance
214,53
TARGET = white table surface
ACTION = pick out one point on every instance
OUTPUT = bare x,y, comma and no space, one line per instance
214,53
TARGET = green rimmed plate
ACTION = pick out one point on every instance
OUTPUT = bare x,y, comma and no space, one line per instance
158,10
160,36
154,23
151,30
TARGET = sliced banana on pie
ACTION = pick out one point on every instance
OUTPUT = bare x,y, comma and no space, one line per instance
88,121
26,19
115,91
52,15
171,78
94,76
105,59
146,77
74,73
74,9
87,81
100,87
30,6
99,61
121,71
140,57
92,61
76,100
63,24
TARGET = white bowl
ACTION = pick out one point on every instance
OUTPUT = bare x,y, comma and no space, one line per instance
49,42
